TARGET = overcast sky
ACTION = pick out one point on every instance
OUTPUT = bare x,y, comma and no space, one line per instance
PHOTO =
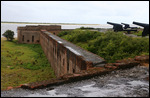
90,12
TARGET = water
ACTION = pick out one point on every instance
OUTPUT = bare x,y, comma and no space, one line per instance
121,83
13,27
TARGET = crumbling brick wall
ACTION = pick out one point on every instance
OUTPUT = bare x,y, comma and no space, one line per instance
62,60
64,57
31,34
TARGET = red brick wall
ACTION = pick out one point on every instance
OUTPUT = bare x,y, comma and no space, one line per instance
29,31
62,60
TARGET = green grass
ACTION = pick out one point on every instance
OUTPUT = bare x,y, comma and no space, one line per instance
139,33
111,45
23,63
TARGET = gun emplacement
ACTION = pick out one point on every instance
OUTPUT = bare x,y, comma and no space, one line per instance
126,25
146,28
116,27
119,27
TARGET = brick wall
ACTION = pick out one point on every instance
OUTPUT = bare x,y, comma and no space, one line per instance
62,60
63,56
30,34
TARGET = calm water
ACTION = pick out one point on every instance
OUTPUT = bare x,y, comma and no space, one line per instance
13,27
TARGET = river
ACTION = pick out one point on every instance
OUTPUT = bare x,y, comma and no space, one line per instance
13,26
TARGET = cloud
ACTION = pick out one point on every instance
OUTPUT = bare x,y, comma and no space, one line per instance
75,11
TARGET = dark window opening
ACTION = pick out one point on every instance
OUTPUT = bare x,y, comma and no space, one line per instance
60,58
63,62
23,38
28,40
55,51
38,41
68,67
32,38
73,70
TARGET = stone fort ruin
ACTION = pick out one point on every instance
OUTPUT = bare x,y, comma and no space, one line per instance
64,57
31,34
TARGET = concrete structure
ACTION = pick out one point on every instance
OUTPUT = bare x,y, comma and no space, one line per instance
64,57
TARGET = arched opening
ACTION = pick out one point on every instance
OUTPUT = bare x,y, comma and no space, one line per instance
23,38
68,67
73,70
32,38
63,62
37,41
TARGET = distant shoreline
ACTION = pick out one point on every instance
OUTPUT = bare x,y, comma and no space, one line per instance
46,23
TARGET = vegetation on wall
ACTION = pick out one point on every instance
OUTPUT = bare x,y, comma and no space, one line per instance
111,45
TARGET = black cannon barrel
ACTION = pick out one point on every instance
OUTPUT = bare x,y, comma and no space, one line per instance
116,27
113,23
141,24
126,25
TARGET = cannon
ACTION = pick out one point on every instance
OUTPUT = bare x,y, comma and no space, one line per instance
119,27
146,28
116,27
128,26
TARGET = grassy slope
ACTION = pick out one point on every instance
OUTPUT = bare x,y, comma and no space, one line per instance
111,46
23,63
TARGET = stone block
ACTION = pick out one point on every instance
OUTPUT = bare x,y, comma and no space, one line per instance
143,59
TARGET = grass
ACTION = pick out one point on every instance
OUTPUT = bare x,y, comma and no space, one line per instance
139,33
23,63
111,45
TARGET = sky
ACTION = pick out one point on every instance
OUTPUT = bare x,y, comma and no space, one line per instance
87,12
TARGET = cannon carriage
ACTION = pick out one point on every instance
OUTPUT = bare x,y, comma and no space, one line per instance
146,28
